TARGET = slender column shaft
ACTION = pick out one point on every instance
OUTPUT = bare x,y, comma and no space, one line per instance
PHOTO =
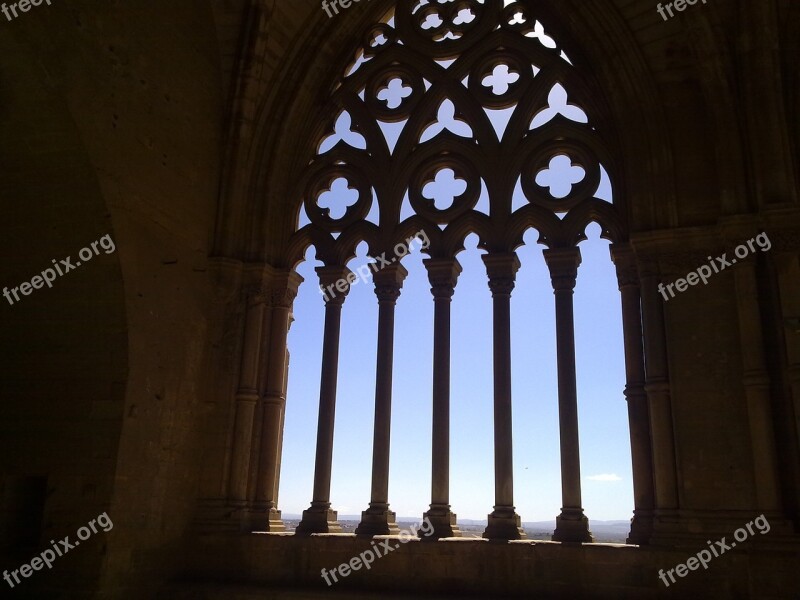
504,523
273,399
255,454
327,403
246,398
571,525
383,407
638,413
283,422
440,489
503,463
319,518
658,393
443,274
757,389
378,519
786,265
273,402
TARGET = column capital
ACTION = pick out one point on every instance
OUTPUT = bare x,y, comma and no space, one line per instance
335,282
563,264
443,275
264,283
502,270
624,260
389,281
282,288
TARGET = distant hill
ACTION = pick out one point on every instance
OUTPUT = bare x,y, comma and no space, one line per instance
614,532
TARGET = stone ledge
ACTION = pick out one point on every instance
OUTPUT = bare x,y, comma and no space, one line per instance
475,568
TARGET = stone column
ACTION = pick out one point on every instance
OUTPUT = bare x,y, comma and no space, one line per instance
658,395
378,519
246,395
638,413
283,419
757,389
266,516
443,275
319,518
504,522
785,258
219,492
571,525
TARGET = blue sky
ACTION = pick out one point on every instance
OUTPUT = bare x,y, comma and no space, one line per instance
605,451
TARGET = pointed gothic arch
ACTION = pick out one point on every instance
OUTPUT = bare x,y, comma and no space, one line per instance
426,61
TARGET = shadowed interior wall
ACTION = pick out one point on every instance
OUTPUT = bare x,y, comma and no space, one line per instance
111,120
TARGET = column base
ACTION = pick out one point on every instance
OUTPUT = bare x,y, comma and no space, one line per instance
442,521
641,528
377,520
572,526
263,520
504,524
318,519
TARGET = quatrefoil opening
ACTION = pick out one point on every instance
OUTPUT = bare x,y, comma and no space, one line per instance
443,25
560,174
393,93
444,187
378,39
440,23
501,78
517,18
337,196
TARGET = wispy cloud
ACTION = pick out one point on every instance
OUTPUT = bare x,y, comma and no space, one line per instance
605,477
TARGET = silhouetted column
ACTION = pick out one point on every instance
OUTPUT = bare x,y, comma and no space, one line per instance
658,394
638,413
283,419
378,519
504,522
273,400
443,275
571,525
319,518
246,395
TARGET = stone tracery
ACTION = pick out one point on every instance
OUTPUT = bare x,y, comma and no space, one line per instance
439,71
